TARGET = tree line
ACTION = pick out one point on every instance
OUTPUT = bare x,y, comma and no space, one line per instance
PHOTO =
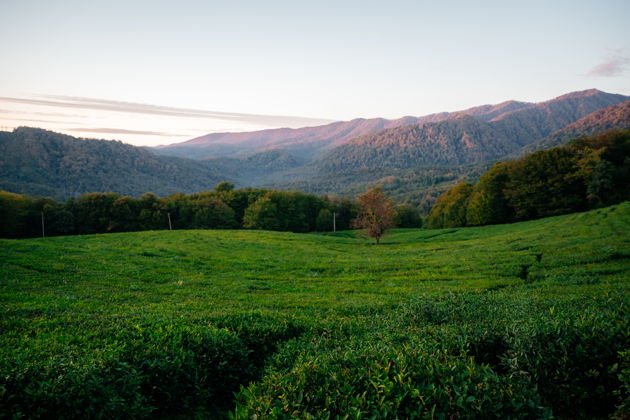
222,208
587,173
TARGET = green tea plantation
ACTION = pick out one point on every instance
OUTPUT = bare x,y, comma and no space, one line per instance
527,320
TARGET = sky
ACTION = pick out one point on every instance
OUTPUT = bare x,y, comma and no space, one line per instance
159,72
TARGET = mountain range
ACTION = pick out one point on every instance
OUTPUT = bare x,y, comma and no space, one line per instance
614,117
522,122
410,156
346,157
469,137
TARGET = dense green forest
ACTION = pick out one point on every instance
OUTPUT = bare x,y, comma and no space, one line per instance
587,173
222,208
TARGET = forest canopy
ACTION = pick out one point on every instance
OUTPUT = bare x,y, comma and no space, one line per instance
587,173
222,208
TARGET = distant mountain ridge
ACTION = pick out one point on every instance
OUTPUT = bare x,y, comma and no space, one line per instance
612,117
523,122
458,141
313,141
306,142
466,137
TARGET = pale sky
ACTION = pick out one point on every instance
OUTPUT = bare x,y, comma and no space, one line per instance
157,72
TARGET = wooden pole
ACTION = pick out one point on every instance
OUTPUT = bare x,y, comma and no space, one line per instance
43,230
334,222
170,227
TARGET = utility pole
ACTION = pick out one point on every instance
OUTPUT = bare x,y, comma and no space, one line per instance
170,227
43,231
334,222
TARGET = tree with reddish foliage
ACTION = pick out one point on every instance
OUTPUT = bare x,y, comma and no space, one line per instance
376,214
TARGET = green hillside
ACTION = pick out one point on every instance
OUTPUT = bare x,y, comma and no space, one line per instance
44,163
510,321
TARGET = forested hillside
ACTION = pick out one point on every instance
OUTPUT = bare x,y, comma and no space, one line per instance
438,155
44,163
585,174
307,142
459,141
251,169
465,138
611,118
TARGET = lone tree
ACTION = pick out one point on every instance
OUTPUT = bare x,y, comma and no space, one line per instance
376,214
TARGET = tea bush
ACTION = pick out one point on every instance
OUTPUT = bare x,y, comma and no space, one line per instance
572,363
261,334
153,370
374,380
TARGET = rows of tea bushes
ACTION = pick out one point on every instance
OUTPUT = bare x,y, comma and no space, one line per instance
490,355
469,355
528,320
136,369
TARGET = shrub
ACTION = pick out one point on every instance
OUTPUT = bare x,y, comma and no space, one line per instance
261,334
382,381
572,364
156,370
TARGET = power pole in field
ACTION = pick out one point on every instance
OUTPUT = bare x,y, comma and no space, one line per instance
43,230
170,227
334,222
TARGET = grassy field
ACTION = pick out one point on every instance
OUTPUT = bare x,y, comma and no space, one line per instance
528,320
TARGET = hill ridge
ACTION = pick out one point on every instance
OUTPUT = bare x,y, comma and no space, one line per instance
45,163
